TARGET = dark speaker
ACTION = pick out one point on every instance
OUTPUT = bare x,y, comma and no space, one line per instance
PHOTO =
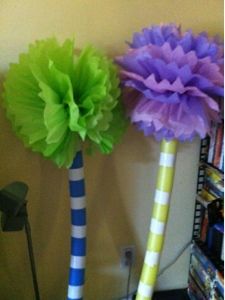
13,206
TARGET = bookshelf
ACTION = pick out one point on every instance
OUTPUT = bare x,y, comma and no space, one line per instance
206,272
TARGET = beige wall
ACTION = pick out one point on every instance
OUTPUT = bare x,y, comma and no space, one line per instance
119,187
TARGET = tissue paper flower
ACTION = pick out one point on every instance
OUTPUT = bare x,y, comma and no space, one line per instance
173,80
55,99
201,43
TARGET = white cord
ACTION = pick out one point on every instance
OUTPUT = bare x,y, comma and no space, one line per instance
175,258
173,261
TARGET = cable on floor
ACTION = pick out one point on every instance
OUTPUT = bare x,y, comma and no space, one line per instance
181,251
171,263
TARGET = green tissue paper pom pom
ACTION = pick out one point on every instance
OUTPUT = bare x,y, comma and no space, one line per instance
55,99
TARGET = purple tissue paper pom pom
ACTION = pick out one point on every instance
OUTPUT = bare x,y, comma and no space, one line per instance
201,43
172,81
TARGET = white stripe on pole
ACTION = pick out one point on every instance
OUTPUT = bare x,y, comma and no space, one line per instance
78,231
152,258
75,292
162,197
76,174
156,226
77,262
145,290
166,159
77,202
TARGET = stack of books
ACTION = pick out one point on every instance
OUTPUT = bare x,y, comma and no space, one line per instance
206,275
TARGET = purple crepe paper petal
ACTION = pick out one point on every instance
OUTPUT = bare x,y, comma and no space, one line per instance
173,80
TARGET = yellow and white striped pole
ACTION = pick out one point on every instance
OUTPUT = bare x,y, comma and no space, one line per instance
159,219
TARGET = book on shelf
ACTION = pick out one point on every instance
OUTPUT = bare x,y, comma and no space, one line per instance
213,188
216,148
222,250
215,238
204,226
205,279
212,143
212,226
217,296
218,145
221,163
213,185
200,276
212,264
219,284
194,291
217,241
207,196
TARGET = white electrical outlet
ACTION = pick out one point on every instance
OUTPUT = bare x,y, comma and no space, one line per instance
127,256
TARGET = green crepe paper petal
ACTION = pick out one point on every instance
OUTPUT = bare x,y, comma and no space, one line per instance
97,89
56,99
113,134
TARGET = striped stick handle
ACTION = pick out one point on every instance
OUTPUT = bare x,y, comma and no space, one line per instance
78,229
158,221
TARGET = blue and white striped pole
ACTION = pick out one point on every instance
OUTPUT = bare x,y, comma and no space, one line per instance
78,229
